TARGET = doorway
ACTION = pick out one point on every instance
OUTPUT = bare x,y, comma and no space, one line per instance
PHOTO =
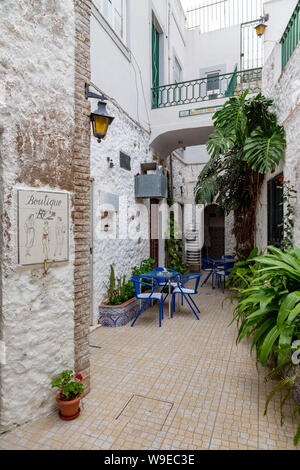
214,232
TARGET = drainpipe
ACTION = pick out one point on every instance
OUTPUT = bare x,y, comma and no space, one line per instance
92,251
171,177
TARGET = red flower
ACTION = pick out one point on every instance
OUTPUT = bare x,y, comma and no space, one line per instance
79,377
53,214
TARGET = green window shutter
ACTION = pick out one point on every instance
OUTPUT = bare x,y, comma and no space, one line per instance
155,65
125,161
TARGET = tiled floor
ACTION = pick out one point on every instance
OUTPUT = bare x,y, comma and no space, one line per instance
183,386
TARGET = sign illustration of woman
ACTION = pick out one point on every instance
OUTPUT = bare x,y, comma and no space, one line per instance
45,240
60,231
30,234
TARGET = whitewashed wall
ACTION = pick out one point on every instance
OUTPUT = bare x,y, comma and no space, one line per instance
36,131
123,254
217,50
284,88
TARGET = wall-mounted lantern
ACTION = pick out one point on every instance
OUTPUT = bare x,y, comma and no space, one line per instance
100,118
261,26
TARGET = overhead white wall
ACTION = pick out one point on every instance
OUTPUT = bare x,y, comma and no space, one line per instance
125,73
220,49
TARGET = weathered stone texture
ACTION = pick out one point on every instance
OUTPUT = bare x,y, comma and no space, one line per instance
81,169
44,64
284,88
123,135
37,124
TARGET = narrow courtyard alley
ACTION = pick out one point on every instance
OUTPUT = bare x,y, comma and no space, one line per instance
183,386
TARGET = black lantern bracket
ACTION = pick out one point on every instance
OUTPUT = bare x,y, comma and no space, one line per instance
91,94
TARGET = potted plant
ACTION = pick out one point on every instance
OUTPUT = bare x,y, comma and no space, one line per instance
122,306
70,393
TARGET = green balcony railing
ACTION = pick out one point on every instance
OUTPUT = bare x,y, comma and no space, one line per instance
291,36
207,88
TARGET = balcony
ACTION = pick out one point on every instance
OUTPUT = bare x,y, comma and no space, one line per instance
291,36
200,90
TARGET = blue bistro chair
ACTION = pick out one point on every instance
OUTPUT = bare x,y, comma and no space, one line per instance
139,281
208,266
187,292
222,273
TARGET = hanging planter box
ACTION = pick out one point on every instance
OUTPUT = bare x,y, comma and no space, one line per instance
119,315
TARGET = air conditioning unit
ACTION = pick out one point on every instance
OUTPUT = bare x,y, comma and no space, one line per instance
151,183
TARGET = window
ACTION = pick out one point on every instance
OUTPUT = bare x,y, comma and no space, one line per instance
275,211
213,85
114,11
155,65
177,71
125,162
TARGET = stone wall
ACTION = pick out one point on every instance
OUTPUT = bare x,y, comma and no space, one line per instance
81,213
43,70
127,136
185,176
284,88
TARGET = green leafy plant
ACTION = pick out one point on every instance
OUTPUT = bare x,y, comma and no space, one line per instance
69,385
268,312
175,246
120,290
246,144
270,305
242,273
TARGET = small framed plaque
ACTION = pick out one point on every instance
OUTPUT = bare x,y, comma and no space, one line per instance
43,226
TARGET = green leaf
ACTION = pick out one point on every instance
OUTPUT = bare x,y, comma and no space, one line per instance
287,305
264,152
268,344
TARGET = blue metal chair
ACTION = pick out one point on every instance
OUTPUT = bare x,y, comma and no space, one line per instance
208,266
187,292
223,273
139,281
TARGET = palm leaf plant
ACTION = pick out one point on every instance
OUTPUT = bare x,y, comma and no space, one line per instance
247,143
268,311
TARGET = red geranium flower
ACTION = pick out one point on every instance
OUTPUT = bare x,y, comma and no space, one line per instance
79,377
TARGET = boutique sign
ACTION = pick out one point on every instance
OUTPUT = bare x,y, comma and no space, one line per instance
43,226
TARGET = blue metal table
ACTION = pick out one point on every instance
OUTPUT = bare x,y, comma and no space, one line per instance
167,276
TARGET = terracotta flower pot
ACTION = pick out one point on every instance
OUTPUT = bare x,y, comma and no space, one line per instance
68,409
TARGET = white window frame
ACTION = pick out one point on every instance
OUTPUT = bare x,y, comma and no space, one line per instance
177,63
215,91
99,4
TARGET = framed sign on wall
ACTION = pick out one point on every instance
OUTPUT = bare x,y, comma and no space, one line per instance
43,226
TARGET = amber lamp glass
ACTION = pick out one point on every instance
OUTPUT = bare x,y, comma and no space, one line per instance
101,120
260,29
